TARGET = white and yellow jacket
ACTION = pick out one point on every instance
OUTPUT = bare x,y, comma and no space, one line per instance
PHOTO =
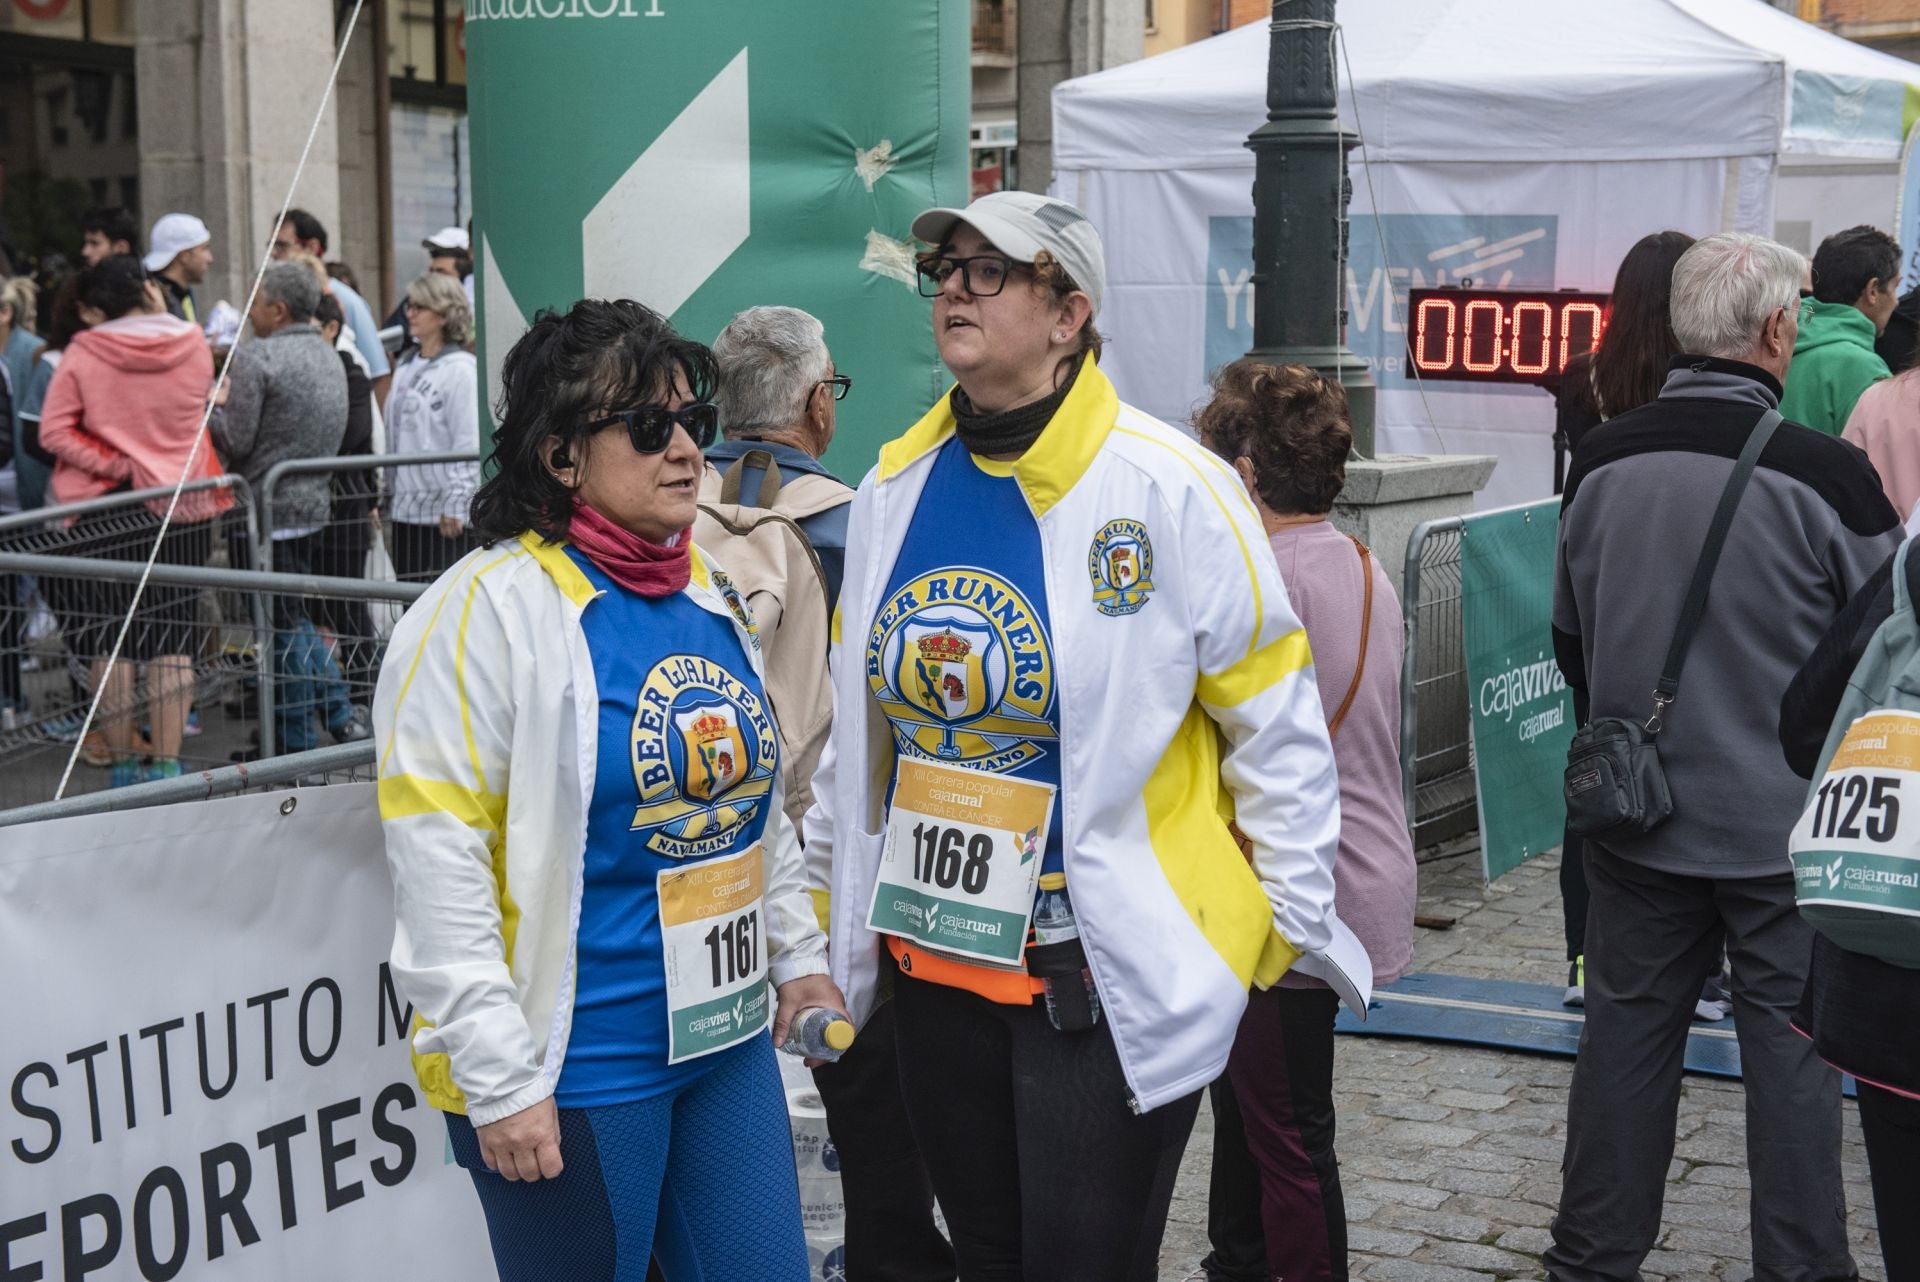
1196,709
487,722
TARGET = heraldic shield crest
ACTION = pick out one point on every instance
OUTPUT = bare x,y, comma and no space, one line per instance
949,665
1121,566
712,751
963,668
704,756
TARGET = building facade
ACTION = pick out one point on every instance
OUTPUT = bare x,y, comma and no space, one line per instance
205,106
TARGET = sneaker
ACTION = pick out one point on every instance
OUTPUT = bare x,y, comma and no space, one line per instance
162,768
1576,994
193,729
1715,1003
127,772
64,728
357,728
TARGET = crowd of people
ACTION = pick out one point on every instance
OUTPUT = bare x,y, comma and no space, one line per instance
1041,594
689,741
109,395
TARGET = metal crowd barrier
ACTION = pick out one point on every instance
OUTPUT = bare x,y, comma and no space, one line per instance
342,763
1436,757
362,482
274,661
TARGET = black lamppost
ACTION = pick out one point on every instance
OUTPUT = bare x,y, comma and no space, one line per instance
1300,195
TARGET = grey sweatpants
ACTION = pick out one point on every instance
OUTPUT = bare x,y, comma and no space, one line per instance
1652,939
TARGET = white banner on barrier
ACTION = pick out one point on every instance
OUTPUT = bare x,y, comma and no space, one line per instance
204,1071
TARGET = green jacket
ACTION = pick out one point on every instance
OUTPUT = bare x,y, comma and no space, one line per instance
1833,362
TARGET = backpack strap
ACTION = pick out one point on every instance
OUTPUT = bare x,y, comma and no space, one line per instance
1902,589
734,477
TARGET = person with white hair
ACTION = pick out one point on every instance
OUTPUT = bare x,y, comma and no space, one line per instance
1810,527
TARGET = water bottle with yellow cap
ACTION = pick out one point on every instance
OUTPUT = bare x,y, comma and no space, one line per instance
819,1032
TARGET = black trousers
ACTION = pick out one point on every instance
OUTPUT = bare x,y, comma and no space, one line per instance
422,554
340,551
891,1236
1892,1127
1042,1169
1653,937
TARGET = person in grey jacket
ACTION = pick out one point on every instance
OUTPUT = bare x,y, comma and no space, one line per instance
1811,528
286,398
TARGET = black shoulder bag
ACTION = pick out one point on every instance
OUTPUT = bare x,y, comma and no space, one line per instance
1615,786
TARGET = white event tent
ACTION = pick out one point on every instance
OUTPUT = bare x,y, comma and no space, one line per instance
1515,143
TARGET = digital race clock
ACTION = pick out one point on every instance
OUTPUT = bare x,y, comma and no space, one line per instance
1500,335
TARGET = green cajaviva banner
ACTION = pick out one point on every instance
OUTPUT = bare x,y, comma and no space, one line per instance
704,156
1522,711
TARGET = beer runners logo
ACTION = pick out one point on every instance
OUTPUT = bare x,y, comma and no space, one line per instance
704,755
961,667
1121,565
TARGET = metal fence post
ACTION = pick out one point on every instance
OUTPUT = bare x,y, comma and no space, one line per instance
1409,666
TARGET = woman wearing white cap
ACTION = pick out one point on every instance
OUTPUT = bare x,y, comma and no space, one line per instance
1063,663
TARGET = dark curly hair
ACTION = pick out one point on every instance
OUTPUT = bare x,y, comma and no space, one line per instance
1291,422
566,369
116,285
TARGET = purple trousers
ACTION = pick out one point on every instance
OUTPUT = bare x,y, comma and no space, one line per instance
1276,1210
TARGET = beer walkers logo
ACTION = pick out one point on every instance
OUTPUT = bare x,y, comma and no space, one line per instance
1121,566
704,755
959,663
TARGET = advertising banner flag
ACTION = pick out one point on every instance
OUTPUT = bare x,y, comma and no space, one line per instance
205,1069
1522,712
706,158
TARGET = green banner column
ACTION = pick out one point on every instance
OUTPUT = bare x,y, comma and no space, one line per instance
1522,712
705,157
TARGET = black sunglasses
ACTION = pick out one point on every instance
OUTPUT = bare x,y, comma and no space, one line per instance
983,275
651,426
840,383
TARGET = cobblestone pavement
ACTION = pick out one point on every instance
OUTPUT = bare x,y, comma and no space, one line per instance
1450,1156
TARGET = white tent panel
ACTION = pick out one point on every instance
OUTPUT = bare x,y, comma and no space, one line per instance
1516,143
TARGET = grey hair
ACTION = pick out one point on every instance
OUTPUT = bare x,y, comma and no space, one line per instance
444,294
770,359
1726,286
294,286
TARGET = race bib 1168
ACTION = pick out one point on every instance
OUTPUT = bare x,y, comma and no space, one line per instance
962,853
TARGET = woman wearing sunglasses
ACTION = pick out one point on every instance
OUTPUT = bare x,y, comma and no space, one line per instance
1064,661
599,898
434,408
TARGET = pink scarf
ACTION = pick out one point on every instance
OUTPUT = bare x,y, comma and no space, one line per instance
650,569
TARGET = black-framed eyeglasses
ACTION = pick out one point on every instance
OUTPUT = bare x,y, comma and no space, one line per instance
983,275
650,427
840,383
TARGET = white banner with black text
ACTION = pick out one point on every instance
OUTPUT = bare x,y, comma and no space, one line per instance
204,1070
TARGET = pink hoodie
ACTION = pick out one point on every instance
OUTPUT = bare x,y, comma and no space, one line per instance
124,409
1886,424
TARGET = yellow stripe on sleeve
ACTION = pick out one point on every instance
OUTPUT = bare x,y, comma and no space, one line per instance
1259,671
402,796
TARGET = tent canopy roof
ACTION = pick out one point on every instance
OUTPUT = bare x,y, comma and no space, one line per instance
1516,80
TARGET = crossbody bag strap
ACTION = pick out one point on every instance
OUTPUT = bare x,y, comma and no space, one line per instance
1695,606
1366,626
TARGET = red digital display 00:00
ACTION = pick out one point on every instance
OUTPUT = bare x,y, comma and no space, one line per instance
1500,335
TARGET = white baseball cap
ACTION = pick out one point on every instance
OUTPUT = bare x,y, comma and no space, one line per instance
1022,223
173,235
449,238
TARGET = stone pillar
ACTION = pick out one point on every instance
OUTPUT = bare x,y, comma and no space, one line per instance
1386,498
1060,39
227,91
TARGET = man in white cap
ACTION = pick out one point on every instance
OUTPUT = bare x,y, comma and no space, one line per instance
179,256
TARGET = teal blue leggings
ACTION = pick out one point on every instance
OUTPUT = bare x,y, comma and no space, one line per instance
702,1178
